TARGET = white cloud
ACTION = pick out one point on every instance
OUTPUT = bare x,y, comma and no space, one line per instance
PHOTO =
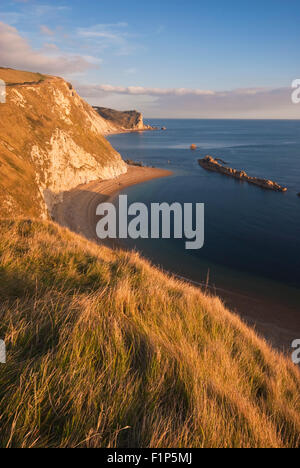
102,30
108,36
94,90
16,52
47,31
198,103
48,10
90,90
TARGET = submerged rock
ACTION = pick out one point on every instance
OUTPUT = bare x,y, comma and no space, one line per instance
212,164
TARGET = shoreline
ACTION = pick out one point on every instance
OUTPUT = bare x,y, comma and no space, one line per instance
142,130
77,212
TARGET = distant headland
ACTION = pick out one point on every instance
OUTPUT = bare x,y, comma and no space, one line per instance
124,121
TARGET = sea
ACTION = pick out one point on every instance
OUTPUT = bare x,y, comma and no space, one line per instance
252,236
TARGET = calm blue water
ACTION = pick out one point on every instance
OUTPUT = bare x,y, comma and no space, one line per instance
249,232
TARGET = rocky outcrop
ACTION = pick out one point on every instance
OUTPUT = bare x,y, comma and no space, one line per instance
130,162
51,141
211,164
123,121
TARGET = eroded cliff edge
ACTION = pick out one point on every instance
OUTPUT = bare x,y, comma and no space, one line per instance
51,141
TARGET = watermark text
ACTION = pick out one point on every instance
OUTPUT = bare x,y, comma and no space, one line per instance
296,353
161,221
2,352
296,92
2,92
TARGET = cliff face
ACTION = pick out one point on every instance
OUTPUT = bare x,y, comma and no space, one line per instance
51,141
122,121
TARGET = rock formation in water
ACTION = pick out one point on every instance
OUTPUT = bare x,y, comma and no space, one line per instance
211,164
51,141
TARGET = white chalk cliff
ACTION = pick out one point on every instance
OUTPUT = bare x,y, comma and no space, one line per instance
51,141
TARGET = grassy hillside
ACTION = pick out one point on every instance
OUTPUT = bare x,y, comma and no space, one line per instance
106,351
51,140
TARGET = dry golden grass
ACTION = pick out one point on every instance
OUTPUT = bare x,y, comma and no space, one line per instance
11,76
106,351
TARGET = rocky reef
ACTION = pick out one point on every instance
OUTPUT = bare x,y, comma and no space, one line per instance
211,164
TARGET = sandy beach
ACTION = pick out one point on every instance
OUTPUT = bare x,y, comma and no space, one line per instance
141,130
78,209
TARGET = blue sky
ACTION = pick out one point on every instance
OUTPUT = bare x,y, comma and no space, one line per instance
242,54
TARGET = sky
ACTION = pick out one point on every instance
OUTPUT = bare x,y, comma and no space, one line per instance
167,58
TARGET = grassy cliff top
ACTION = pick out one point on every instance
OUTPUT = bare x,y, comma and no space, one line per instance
105,350
11,76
